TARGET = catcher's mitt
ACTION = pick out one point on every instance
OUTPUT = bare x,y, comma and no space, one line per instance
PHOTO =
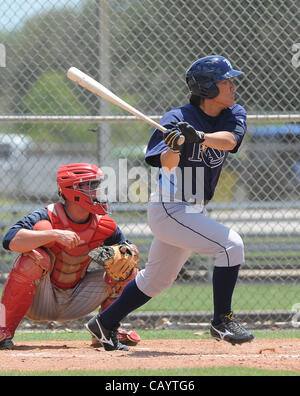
117,260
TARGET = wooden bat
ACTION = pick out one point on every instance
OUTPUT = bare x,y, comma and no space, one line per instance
94,86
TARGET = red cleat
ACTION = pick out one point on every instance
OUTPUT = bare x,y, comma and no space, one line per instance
126,337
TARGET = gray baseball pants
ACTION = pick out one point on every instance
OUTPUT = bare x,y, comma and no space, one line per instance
179,231
52,303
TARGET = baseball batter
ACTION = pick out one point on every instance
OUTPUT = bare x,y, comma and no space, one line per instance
50,280
213,126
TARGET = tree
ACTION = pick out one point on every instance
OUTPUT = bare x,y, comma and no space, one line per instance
52,94
153,42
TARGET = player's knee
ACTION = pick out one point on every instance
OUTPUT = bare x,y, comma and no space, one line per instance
236,250
33,267
236,240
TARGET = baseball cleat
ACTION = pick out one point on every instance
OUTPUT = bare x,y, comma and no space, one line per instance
231,331
126,337
108,338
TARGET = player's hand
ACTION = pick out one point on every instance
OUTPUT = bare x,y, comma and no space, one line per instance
190,133
69,239
174,139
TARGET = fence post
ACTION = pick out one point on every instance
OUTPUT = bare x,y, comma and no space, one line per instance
2,55
104,129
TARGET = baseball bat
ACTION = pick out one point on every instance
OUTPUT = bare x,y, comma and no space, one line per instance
94,86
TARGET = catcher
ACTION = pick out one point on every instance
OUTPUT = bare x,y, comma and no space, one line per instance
50,280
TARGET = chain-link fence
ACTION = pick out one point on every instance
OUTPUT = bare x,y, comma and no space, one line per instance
140,49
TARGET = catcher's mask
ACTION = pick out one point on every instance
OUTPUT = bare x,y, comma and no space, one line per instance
202,75
79,183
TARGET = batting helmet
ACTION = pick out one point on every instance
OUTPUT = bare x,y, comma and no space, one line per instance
203,74
79,183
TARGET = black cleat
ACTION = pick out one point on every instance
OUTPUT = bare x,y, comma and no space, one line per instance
108,338
231,331
6,344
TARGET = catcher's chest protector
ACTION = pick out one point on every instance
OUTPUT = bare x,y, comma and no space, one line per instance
71,265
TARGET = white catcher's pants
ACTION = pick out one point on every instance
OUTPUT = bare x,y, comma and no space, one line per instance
179,231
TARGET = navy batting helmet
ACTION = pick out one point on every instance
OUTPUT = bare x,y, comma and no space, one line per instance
205,72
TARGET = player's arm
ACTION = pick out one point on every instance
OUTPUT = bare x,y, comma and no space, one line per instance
26,240
116,238
169,160
23,236
222,140
163,149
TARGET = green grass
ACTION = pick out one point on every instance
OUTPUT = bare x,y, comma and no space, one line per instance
193,297
83,335
197,372
247,297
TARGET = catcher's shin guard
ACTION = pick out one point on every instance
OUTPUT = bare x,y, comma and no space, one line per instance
19,289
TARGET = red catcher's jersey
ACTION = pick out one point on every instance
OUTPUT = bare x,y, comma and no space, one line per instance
71,265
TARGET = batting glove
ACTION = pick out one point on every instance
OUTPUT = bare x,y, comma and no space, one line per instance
190,133
171,138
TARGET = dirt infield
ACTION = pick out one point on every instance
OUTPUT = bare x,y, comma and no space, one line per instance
281,354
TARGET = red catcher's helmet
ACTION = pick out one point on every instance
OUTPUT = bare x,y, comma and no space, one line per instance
79,183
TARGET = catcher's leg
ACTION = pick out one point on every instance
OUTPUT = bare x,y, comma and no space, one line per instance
126,337
18,292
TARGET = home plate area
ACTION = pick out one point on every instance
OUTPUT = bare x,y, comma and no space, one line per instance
279,354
